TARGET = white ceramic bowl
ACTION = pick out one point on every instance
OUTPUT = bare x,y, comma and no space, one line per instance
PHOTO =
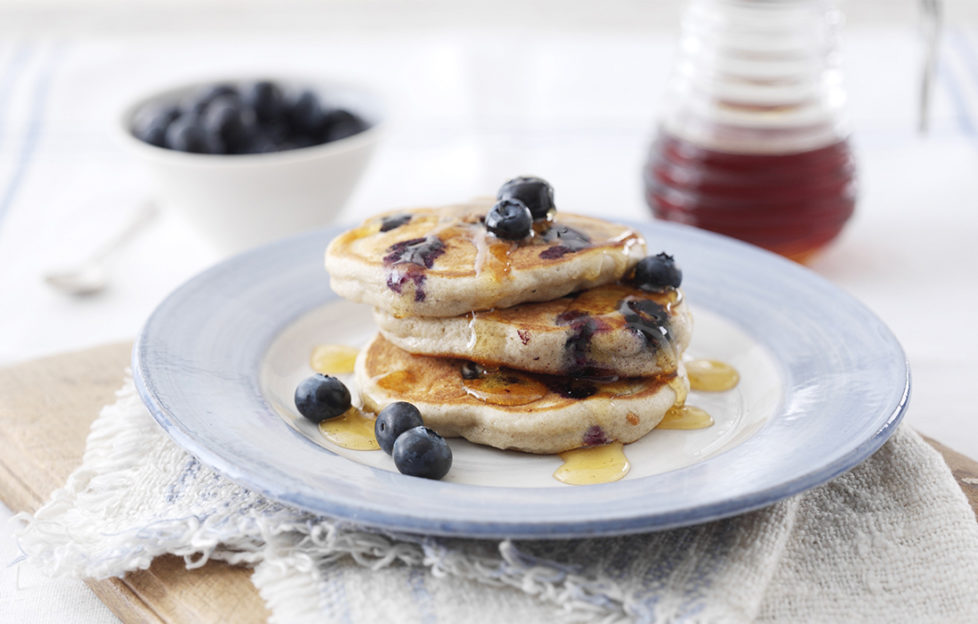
242,200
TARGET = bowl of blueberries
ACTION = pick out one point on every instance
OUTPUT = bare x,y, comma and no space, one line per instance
252,160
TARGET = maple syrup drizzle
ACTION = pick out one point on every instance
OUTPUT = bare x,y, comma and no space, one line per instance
595,464
504,388
677,385
481,249
396,381
333,359
711,375
682,416
473,334
501,266
685,417
352,430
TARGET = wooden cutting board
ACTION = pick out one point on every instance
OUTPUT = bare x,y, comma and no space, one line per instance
46,407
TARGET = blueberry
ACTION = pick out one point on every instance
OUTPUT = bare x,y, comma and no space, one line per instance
260,143
199,100
150,124
535,193
656,273
471,370
394,420
227,119
420,452
266,137
185,134
509,219
301,140
265,99
321,397
306,114
152,131
340,123
392,222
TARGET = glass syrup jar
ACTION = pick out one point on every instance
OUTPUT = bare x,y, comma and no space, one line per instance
753,141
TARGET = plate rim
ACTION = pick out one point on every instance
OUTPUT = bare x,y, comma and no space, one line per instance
401,520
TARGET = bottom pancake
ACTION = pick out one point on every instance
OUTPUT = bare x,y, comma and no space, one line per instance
511,409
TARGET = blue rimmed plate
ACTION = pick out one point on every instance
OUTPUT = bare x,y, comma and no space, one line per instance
823,385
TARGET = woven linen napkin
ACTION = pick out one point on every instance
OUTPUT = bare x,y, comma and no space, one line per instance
892,540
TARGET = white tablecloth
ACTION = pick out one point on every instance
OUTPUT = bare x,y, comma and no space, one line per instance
470,111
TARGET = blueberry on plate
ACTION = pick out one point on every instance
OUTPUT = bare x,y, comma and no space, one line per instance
265,99
394,420
420,452
321,397
509,219
656,273
535,193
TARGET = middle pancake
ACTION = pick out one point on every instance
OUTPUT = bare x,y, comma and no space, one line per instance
609,330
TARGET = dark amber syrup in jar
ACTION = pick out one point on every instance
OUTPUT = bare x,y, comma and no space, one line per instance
790,203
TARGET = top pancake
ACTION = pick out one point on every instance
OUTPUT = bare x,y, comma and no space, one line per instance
439,262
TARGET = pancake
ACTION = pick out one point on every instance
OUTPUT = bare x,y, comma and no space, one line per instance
608,330
442,262
515,410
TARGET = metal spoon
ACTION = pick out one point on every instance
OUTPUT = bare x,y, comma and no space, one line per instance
91,276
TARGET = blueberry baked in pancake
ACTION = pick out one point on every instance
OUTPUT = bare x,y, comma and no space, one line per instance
614,329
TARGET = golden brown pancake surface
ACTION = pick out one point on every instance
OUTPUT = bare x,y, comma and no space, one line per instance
443,261
512,409
611,329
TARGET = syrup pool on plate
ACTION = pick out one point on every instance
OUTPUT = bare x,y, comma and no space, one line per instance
686,417
333,359
711,375
352,430
595,464
607,463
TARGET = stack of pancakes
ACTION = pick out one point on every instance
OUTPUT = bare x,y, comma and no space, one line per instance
539,345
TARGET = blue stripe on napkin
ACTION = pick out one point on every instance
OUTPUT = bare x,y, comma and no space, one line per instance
422,599
38,102
333,595
8,80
